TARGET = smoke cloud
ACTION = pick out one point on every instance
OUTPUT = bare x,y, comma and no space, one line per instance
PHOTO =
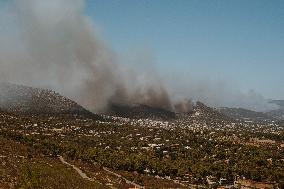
53,44
184,106
218,94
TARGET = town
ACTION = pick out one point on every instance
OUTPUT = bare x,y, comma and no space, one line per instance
203,148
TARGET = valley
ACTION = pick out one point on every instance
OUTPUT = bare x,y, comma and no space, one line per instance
146,149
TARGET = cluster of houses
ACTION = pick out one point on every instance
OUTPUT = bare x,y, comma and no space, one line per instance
199,122
239,183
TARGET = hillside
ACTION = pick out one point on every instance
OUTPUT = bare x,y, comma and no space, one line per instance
28,100
280,103
249,115
155,154
244,114
49,152
140,112
200,111
204,116
209,113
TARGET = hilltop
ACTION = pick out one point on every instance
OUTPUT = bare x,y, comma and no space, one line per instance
22,99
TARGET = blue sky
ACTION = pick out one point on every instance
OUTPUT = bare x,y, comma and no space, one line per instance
238,42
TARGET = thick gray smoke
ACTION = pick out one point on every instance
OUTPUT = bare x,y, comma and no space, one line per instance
53,44
184,106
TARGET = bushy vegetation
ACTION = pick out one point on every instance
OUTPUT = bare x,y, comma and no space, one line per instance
141,151
204,158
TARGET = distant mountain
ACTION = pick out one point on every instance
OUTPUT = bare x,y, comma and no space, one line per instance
204,116
279,113
209,113
280,103
140,111
244,114
199,112
28,100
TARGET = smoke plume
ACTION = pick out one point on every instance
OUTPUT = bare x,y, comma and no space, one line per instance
184,106
53,44
218,94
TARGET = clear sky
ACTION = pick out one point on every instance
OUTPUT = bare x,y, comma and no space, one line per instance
239,42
